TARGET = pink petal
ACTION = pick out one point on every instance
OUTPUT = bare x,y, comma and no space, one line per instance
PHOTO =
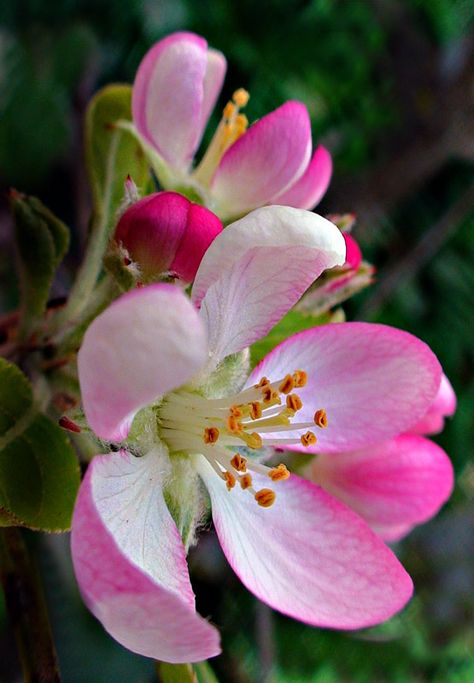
353,252
202,227
307,556
262,163
310,188
373,381
393,485
130,563
444,405
213,80
167,102
269,227
147,342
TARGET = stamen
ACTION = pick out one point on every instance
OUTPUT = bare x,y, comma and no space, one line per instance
229,480
265,497
287,385
320,418
300,378
294,402
211,434
263,383
241,97
233,425
255,410
239,463
253,440
308,439
245,481
279,473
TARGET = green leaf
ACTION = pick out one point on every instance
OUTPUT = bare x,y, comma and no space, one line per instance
111,152
204,673
39,474
293,322
41,240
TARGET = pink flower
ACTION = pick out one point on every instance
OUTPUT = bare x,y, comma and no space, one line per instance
165,232
398,483
168,377
175,90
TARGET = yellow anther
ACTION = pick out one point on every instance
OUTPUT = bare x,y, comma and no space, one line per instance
239,463
253,440
233,425
241,124
320,418
229,480
263,383
245,481
265,497
300,378
294,402
211,434
229,110
287,385
279,473
241,97
236,411
255,410
270,396
308,439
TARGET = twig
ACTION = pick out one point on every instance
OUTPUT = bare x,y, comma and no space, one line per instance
414,260
27,610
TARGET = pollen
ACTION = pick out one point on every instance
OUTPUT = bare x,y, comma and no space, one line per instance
308,439
300,378
294,402
229,110
236,411
263,383
229,480
233,425
279,473
320,418
245,481
239,463
269,395
211,434
287,385
241,97
255,410
265,497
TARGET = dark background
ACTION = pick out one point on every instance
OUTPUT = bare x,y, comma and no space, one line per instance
390,88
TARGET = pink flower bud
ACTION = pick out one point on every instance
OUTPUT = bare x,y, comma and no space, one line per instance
165,232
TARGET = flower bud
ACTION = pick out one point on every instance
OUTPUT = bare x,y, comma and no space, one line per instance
165,232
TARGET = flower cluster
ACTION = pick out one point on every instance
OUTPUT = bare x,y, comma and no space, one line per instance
167,386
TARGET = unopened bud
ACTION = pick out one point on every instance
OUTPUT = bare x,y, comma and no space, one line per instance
165,232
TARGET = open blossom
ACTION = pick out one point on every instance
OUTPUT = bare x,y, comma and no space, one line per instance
165,232
175,90
166,377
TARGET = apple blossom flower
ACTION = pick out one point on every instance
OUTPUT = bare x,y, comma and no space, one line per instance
165,232
165,378
175,90
396,484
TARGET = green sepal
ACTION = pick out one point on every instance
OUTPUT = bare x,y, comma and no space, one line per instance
124,276
41,241
39,473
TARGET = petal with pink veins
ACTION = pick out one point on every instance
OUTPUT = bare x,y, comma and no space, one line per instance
444,405
147,342
374,381
168,93
269,227
393,485
310,188
214,77
272,154
130,562
308,556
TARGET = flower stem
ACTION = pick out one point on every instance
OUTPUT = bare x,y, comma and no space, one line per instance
26,608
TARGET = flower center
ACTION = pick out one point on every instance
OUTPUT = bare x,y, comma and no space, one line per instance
214,427
232,125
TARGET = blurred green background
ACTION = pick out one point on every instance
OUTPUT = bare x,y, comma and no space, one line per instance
390,88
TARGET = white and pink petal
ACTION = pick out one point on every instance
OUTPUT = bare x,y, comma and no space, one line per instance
374,381
308,556
146,343
130,562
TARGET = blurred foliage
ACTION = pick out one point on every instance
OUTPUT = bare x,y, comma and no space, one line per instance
338,57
